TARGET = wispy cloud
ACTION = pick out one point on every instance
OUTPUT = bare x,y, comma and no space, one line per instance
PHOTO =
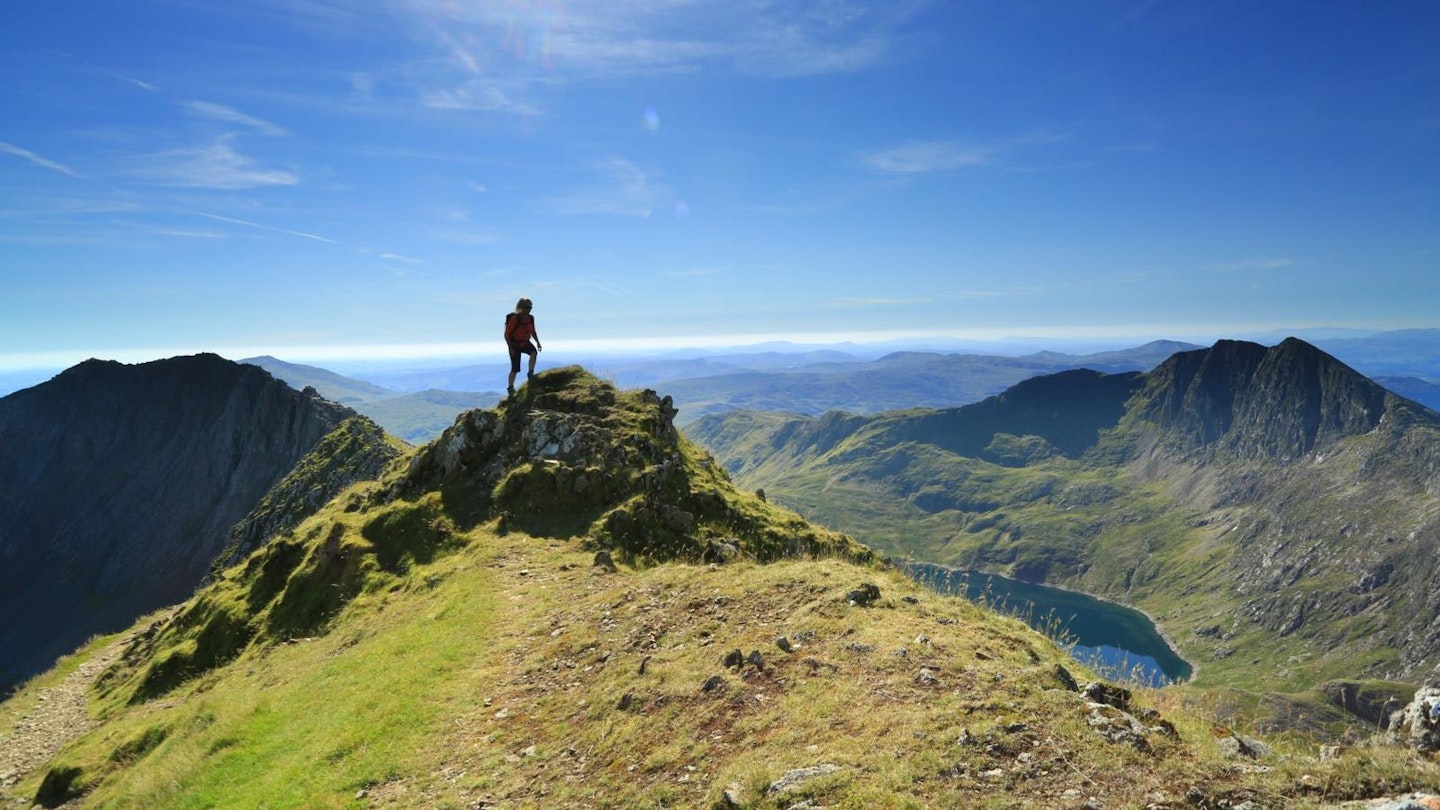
920,157
627,190
216,165
26,154
1251,264
604,285
698,272
189,234
395,257
924,157
861,302
249,224
479,95
219,112
142,85
601,37
463,236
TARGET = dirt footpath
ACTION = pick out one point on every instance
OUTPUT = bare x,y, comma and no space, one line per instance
60,715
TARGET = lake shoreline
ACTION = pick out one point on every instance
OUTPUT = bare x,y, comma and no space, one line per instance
1159,631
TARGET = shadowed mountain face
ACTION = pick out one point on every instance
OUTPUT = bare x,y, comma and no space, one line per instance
120,484
1280,402
1278,511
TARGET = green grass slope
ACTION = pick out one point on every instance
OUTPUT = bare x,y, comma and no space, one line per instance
444,637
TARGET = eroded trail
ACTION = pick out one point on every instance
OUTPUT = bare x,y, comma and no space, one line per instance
60,715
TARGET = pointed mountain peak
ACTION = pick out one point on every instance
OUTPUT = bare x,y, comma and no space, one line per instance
1279,402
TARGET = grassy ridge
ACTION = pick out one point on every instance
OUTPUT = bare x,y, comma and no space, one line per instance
512,671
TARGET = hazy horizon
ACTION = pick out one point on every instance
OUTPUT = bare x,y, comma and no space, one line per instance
18,372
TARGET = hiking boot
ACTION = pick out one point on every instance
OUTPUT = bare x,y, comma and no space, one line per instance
529,376
510,390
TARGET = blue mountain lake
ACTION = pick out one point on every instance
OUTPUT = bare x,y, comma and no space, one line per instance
1116,640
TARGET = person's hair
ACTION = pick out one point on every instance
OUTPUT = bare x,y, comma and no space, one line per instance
523,305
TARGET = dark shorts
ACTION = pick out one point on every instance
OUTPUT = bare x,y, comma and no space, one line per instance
515,352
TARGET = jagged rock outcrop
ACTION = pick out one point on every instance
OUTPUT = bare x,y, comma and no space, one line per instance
571,455
1280,402
356,450
119,485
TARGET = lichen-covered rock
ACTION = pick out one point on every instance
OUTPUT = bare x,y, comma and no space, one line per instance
1418,724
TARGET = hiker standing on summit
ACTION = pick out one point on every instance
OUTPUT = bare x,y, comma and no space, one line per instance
519,329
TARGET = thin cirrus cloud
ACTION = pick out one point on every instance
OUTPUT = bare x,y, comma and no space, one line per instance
229,115
477,95
627,190
43,162
1252,264
216,165
929,156
923,157
866,302
258,226
603,38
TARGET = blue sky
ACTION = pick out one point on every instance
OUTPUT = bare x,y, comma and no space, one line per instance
312,178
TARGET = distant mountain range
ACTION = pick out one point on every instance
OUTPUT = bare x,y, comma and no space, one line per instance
1277,511
120,485
415,417
417,404
813,380
809,382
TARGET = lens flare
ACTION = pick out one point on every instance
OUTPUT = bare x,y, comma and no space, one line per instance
651,119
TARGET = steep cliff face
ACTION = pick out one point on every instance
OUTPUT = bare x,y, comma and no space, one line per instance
119,485
1279,403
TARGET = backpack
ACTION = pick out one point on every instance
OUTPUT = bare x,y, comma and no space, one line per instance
512,324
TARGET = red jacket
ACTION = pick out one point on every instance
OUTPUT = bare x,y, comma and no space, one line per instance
519,328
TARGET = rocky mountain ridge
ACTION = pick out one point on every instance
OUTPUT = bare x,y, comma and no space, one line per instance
119,486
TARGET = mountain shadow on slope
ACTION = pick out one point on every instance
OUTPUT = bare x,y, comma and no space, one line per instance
120,484
1066,411
1281,402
